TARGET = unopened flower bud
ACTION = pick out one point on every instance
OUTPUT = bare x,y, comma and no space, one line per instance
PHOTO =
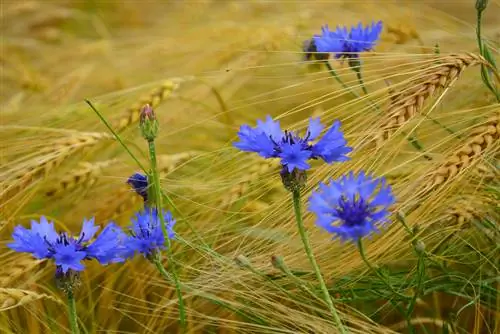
242,261
481,5
278,262
148,123
420,247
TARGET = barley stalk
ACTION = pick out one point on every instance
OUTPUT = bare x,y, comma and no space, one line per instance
86,175
11,298
410,101
154,98
481,139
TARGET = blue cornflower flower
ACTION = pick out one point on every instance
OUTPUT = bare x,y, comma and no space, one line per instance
147,234
348,44
139,182
43,242
269,141
353,206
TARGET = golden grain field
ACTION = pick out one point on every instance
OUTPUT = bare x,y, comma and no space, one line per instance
207,67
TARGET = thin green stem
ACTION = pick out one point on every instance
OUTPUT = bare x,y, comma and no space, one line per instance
159,208
73,318
115,134
360,79
420,280
308,249
337,78
375,270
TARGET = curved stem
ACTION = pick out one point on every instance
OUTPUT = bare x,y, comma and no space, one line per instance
369,265
337,78
115,134
73,319
159,208
307,246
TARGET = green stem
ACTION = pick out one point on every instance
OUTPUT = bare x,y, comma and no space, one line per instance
159,208
308,249
360,79
420,279
337,78
369,265
115,134
73,319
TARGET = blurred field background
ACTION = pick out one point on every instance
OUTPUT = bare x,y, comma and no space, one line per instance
207,67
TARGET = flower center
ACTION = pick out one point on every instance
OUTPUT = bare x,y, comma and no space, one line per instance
353,211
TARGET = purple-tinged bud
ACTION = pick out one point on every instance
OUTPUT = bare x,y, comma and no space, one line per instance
148,123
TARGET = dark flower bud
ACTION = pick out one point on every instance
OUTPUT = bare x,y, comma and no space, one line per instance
67,281
296,180
481,5
148,123
139,183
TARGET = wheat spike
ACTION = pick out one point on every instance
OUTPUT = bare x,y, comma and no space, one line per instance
481,139
49,158
168,162
86,175
154,98
11,298
410,101
18,268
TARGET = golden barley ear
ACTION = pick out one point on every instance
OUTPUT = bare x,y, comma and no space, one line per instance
482,140
49,158
84,176
22,265
154,99
11,298
408,102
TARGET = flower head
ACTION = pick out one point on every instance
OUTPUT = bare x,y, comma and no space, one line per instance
353,206
269,141
348,44
68,252
139,182
147,234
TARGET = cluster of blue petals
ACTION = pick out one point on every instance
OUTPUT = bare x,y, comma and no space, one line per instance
349,44
353,206
147,234
68,252
269,141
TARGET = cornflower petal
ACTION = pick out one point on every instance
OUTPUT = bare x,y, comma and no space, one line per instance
294,156
67,256
88,230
